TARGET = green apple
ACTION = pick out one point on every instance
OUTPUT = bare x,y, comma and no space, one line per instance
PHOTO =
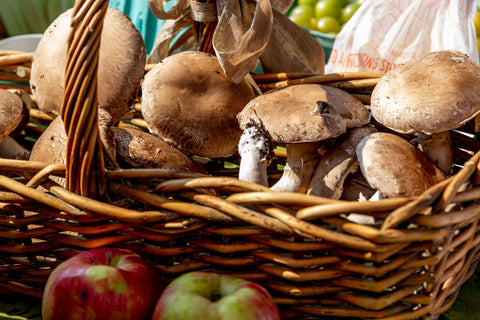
210,296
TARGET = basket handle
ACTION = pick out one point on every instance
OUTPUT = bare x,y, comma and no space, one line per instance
85,166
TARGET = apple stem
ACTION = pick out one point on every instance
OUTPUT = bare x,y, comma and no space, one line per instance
109,258
215,296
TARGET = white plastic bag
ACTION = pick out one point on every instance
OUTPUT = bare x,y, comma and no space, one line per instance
384,33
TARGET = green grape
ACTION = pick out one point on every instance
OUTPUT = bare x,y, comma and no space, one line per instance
328,25
302,15
348,11
331,8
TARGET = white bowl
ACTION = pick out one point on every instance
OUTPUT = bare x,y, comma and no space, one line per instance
24,42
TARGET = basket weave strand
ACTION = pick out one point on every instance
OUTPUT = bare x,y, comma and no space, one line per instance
79,107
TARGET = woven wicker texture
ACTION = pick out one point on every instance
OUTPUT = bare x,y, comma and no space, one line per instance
316,263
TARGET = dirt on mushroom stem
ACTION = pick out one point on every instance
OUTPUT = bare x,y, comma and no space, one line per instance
256,152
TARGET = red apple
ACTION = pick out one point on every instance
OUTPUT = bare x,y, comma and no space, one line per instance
211,296
103,283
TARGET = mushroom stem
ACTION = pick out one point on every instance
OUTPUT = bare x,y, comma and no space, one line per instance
364,218
256,151
377,196
302,159
438,147
11,149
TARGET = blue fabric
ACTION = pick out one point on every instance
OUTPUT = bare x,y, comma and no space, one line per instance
144,20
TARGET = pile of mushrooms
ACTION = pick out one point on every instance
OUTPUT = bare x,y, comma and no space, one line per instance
400,147
300,117
429,96
120,71
336,146
131,147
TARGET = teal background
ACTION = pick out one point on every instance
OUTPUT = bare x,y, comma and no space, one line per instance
34,16
142,17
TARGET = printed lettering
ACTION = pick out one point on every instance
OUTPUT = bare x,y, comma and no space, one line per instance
340,62
333,56
384,65
350,60
368,61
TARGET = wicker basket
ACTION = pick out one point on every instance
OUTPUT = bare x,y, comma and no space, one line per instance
323,268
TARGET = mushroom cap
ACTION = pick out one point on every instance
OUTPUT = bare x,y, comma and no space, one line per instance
437,92
11,111
395,167
51,146
188,102
122,58
138,148
144,150
305,113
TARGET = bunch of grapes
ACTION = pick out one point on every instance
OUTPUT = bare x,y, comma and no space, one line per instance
327,16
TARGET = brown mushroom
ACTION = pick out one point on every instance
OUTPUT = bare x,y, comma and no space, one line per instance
11,112
395,167
301,116
144,150
51,146
429,95
337,164
133,146
122,58
188,102
11,149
